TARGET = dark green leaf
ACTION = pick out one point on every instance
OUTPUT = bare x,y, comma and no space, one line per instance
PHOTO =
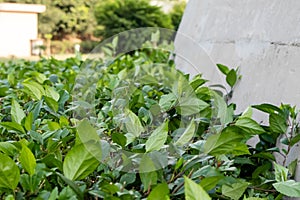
231,77
224,69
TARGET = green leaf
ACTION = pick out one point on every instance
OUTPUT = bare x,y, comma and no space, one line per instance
249,126
289,188
13,126
267,108
79,163
17,114
224,113
193,191
8,148
167,101
281,172
9,173
187,134
51,103
277,123
157,138
160,192
231,77
234,191
119,138
248,112
29,121
226,142
27,160
224,69
133,124
148,179
190,105
51,92
209,183
34,89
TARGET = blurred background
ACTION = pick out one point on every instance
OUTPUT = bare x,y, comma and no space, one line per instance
65,26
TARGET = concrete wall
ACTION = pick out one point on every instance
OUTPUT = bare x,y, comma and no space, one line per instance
18,26
262,37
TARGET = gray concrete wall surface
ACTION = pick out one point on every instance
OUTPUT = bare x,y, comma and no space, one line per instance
261,37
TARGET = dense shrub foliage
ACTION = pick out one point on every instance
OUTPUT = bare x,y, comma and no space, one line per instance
43,156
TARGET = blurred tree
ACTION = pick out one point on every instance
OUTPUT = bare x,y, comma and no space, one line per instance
177,13
115,16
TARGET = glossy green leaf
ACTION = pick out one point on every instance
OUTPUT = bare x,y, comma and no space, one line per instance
226,142
8,148
34,89
13,126
160,192
17,114
249,126
9,173
133,124
278,123
267,108
193,191
27,160
79,163
51,103
187,134
29,121
52,93
224,69
231,77
289,188
157,138
234,191
209,183
281,172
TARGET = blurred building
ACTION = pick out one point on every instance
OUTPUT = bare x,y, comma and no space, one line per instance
19,28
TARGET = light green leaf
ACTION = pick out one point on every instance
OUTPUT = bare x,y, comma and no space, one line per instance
289,188
79,163
193,191
231,77
226,142
51,92
281,172
190,105
8,148
187,134
29,121
224,69
157,138
39,77
9,173
13,126
248,112
234,191
254,198
167,101
133,124
224,113
27,160
160,192
249,126
34,89
17,114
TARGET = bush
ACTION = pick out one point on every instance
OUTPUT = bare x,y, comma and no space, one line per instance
117,16
177,13
88,46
